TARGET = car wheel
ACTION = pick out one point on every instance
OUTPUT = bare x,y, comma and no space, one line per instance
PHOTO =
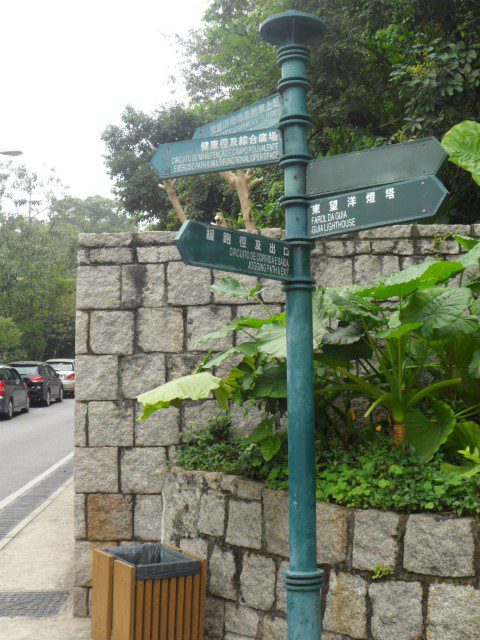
60,395
48,399
27,405
9,414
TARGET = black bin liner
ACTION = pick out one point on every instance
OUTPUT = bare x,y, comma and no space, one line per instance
154,560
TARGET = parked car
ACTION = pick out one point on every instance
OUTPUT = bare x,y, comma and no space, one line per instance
44,384
65,367
14,394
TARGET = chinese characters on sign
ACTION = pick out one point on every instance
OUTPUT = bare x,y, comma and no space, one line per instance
193,157
379,206
214,247
264,114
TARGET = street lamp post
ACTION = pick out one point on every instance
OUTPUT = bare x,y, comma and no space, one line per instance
293,31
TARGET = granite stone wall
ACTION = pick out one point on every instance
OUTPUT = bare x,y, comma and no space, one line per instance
140,312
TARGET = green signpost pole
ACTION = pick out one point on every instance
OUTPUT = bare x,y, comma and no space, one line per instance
293,31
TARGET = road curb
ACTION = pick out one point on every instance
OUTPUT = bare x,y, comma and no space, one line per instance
31,516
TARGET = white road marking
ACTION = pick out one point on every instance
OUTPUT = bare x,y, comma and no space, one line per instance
13,496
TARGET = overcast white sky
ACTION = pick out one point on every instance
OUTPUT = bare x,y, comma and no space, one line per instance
69,68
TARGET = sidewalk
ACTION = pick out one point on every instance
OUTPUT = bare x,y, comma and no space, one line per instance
39,558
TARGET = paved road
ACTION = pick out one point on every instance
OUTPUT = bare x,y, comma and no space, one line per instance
33,442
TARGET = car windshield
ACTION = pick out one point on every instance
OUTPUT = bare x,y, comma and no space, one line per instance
26,370
61,366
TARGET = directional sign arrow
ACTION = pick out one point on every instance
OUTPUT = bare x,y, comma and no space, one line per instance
194,157
206,245
376,207
392,163
264,114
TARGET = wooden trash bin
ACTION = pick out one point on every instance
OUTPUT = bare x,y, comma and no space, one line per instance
163,599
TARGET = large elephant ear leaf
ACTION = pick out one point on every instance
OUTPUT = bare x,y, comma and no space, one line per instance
426,436
420,276
463,144
197,386
272,340
442,311
464,434
466,470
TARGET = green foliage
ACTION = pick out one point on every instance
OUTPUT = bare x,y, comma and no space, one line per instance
10,340
381,571
463,144
367,475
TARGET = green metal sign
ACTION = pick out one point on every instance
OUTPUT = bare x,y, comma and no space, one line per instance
208,155
206,245
376,207
263,114
350,171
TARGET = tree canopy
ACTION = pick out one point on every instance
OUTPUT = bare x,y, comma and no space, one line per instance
385,72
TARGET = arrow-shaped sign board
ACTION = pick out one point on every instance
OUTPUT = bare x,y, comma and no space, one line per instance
209,155
392,163
375,207
206,245
264,114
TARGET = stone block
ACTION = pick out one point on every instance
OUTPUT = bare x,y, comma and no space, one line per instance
257,581
155,238
222,570
214,619
397,610
375,539
249,489
274,628
393,231
147,518
80,598
88,463
111,332
212,514
197,415
109,517
159,254
188,285
110,424
82,562
241,620
160,330
203,320
79,516
102,240
161,429
181,499
98,287
245,419
280,589
81,332
96,377
154,294
179,365
331,533
111,255
142,470
247,281
332,272
453,612
80,424
141,373
83,256
133,283
272,291
346,610
275,508
245,524
198,547
438,545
